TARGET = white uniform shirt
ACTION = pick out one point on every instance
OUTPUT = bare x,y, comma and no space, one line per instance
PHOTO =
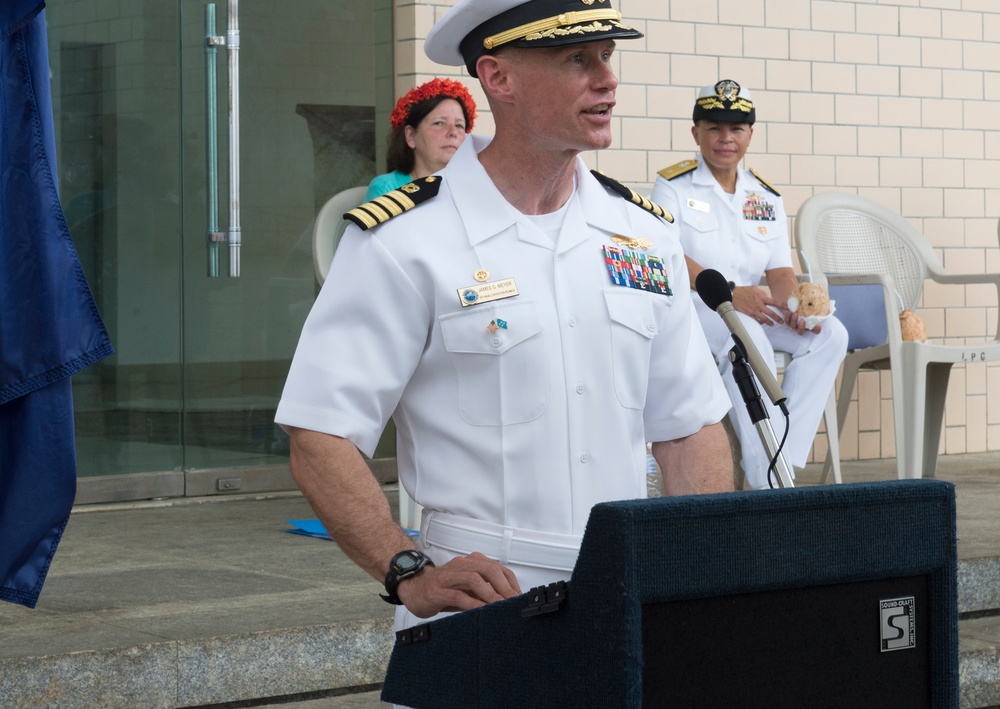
527,426
741,235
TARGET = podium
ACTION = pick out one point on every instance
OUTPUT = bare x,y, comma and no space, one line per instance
830,596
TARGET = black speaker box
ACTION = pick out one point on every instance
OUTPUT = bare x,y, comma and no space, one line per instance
833,596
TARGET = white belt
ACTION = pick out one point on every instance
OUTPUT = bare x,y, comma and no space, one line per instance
508,545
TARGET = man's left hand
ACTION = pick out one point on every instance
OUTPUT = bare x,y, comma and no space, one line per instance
798,324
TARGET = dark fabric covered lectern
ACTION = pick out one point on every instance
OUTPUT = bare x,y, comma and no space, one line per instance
832,596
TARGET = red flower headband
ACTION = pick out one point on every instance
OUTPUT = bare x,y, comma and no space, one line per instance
434,87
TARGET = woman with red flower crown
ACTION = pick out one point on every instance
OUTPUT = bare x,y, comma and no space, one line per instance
429,123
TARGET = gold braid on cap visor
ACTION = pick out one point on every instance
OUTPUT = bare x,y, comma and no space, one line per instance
539,28
712,103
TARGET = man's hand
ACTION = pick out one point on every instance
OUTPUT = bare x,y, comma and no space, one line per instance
350,503
782,283
758,304
798,324
463,583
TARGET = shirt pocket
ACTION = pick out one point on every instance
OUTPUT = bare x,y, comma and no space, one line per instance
633,327
763,230
502,376
698,220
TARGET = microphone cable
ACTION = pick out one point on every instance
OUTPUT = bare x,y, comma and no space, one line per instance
771,470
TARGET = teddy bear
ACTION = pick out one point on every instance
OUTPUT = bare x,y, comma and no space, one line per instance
809,299
812,302
912,327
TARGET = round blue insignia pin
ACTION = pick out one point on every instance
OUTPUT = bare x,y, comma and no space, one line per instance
470,296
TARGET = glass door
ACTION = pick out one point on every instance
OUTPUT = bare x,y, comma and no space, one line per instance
186,405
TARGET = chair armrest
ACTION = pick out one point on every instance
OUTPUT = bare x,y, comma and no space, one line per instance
966,278
971,279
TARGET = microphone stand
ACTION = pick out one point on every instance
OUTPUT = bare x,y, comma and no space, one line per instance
758,413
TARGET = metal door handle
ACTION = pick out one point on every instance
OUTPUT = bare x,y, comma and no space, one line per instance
232,44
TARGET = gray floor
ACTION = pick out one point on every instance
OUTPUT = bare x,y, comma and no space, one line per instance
197,578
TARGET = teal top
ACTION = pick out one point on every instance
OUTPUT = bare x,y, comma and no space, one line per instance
386,183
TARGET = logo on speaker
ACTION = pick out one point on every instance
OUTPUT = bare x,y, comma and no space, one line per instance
897,624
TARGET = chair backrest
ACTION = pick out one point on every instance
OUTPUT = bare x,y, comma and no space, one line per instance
840,233
330,225
861,309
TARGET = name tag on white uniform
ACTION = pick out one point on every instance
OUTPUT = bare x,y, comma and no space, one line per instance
699,206
486,292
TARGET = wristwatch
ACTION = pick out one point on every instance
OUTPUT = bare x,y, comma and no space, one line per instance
404,565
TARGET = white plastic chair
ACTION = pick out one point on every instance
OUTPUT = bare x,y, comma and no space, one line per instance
856,241
329,227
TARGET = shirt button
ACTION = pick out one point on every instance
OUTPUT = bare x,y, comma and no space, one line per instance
580,388
651,326
584,457
496,341
572,322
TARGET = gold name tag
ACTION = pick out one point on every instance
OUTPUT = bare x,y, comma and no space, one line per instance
485,292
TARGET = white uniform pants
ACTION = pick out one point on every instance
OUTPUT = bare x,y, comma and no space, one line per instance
807,382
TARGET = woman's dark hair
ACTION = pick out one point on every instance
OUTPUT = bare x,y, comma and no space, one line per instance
399,155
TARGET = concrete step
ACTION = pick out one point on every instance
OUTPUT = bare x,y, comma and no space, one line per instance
979,585
979,632
979,662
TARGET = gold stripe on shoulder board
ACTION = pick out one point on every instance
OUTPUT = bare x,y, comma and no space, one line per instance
392,204
632,196
677,169
767,185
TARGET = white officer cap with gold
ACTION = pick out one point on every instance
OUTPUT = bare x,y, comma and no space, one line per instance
726,102
473,28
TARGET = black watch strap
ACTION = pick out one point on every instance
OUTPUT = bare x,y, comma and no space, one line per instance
404,565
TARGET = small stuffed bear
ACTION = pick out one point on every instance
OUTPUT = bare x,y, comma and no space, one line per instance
912,327
809,299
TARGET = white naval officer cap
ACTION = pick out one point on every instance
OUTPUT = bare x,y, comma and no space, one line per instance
724,101
473,28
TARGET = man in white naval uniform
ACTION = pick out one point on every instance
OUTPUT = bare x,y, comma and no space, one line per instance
732,221
527,325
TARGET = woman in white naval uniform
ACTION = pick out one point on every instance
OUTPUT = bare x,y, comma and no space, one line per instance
732,221
527,324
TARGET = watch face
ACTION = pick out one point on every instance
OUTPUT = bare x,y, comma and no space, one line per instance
406,562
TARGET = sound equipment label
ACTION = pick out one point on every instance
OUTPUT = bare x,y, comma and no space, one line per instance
897,624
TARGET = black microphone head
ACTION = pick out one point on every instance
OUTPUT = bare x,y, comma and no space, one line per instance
713,288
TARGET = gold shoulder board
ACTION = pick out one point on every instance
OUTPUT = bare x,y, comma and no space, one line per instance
678,169
764,182
632,196
382,209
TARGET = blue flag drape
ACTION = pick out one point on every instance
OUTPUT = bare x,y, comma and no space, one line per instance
49,323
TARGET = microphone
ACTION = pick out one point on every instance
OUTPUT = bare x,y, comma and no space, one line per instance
716,294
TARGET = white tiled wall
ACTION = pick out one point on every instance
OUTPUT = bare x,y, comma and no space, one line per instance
896,100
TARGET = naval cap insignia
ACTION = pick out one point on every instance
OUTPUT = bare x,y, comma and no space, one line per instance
727,90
